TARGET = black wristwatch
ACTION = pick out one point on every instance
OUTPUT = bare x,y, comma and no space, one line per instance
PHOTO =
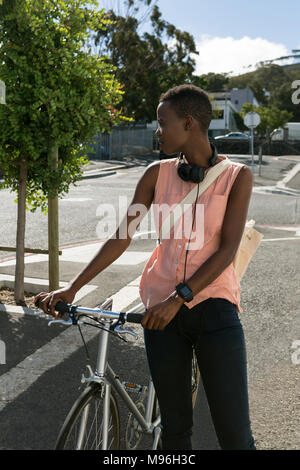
184,291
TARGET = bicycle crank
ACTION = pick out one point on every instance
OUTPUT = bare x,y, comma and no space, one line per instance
134,434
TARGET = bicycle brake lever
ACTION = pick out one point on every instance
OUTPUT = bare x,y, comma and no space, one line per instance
120,330
63,322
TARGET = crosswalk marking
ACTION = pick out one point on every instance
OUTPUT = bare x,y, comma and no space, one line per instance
84,253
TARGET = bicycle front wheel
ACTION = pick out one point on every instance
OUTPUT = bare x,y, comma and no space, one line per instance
83,427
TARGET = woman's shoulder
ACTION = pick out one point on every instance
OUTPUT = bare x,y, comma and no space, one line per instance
161,166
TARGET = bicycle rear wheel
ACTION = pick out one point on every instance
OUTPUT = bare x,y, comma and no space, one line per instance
195,378
83,427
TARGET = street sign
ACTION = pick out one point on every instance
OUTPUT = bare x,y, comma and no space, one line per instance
252,119
2,92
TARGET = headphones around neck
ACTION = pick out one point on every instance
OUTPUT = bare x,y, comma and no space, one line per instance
195,173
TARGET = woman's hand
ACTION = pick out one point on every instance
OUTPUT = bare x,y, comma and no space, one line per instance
47,300
158,316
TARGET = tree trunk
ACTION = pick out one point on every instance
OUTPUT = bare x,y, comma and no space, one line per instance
53,237
20,240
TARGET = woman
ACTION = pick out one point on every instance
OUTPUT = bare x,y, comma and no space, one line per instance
192,296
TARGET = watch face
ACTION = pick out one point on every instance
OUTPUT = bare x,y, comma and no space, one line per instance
185,291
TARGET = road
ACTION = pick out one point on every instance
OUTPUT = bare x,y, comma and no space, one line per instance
270,300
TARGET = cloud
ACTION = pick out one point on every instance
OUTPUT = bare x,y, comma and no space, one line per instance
227,54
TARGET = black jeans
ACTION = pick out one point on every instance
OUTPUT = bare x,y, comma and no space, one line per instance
214,329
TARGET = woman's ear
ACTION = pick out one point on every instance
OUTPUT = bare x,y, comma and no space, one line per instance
188,123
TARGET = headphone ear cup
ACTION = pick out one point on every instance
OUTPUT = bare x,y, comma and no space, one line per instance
197,174
184,171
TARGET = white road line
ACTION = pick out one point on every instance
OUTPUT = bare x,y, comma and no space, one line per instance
83,254
279,239
21,377
140,234
76,199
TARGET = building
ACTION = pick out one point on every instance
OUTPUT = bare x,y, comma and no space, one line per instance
239,96
228,103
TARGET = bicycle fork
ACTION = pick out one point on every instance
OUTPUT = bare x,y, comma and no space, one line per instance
82,429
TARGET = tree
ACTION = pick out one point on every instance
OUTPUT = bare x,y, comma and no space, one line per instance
58,97
269,78
270,118
149,63
211,81
282,99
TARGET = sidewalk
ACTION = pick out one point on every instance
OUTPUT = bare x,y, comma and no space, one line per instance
276,174
98,168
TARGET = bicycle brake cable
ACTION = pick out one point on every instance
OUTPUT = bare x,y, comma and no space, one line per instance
100,327
85,345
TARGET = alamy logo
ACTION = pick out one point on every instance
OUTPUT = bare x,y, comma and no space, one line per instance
186,223
296,94
2,352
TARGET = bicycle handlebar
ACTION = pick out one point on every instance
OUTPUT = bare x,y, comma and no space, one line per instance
62,307
71,310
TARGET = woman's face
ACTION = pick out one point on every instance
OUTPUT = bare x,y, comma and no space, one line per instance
171,133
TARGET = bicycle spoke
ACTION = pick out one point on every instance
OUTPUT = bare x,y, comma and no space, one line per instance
87,431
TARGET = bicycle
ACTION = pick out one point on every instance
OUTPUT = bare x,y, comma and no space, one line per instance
93,422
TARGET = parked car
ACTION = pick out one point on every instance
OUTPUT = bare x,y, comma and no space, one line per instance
234,135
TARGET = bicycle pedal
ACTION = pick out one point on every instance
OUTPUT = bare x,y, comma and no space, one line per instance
131,387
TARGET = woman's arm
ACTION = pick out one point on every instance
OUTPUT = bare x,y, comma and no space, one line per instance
113,247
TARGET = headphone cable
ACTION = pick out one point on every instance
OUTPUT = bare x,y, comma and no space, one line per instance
186,251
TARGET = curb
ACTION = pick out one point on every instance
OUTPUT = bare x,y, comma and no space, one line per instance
15,309
35,286
99,174
107,170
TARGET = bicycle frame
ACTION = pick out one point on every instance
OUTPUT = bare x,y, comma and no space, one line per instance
104,374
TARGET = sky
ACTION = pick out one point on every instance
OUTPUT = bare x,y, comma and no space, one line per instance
233,35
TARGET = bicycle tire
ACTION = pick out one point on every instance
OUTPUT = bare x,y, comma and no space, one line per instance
195,378
92,393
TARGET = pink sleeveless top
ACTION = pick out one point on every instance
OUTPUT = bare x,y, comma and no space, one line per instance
165,267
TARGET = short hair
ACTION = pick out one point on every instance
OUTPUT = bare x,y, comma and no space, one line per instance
190,100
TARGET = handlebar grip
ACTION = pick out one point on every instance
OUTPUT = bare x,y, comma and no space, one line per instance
62,307
59,307
135,317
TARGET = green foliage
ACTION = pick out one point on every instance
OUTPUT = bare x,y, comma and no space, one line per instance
211,81
56,92
147,64
274,79
271,117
